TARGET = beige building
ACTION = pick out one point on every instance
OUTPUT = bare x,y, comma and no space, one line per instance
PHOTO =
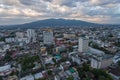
19,34
68,35
12,77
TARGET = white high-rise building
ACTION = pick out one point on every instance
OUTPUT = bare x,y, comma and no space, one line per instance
31,35
83,44
48,37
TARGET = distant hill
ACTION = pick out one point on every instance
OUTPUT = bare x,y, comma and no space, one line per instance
53,23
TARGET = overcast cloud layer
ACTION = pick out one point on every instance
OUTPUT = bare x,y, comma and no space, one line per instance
22,11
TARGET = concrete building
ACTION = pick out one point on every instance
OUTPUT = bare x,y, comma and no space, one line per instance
9,40
94,52
5,70
60,49
48,37
31,35
101,61
69,35
116,58
75,57
38,76
28,77
83,44
114,71
19,35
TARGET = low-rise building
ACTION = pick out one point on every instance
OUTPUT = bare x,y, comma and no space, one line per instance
5,70
114,72
65,65
9,40
28,77
12,77
38,75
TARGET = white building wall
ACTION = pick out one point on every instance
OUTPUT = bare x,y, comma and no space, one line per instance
31,35
101,64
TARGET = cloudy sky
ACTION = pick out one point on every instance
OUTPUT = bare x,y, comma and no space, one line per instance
23,11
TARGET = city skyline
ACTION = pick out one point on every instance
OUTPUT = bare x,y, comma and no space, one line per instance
24,11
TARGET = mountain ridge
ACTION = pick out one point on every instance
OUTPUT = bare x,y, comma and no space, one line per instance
55,23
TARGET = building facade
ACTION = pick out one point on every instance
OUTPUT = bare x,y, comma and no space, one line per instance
48,37
83,44
31,35
101,61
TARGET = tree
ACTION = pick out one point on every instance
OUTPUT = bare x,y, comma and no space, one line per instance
8,56
118,63
102,73
41,79
70,78
54,60
110,35
28,62
101,78
2,39
70,48
117,44
49,72
87,78
98,74
86,67
81,72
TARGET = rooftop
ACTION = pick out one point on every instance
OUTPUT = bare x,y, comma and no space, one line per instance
4,68
96,51
115,71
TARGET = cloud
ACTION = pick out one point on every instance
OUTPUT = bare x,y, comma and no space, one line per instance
103,2
100,11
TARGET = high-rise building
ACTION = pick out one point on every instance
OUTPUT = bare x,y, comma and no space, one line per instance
83,44
48,37
31,35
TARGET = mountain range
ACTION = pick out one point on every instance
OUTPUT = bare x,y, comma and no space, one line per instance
55,23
